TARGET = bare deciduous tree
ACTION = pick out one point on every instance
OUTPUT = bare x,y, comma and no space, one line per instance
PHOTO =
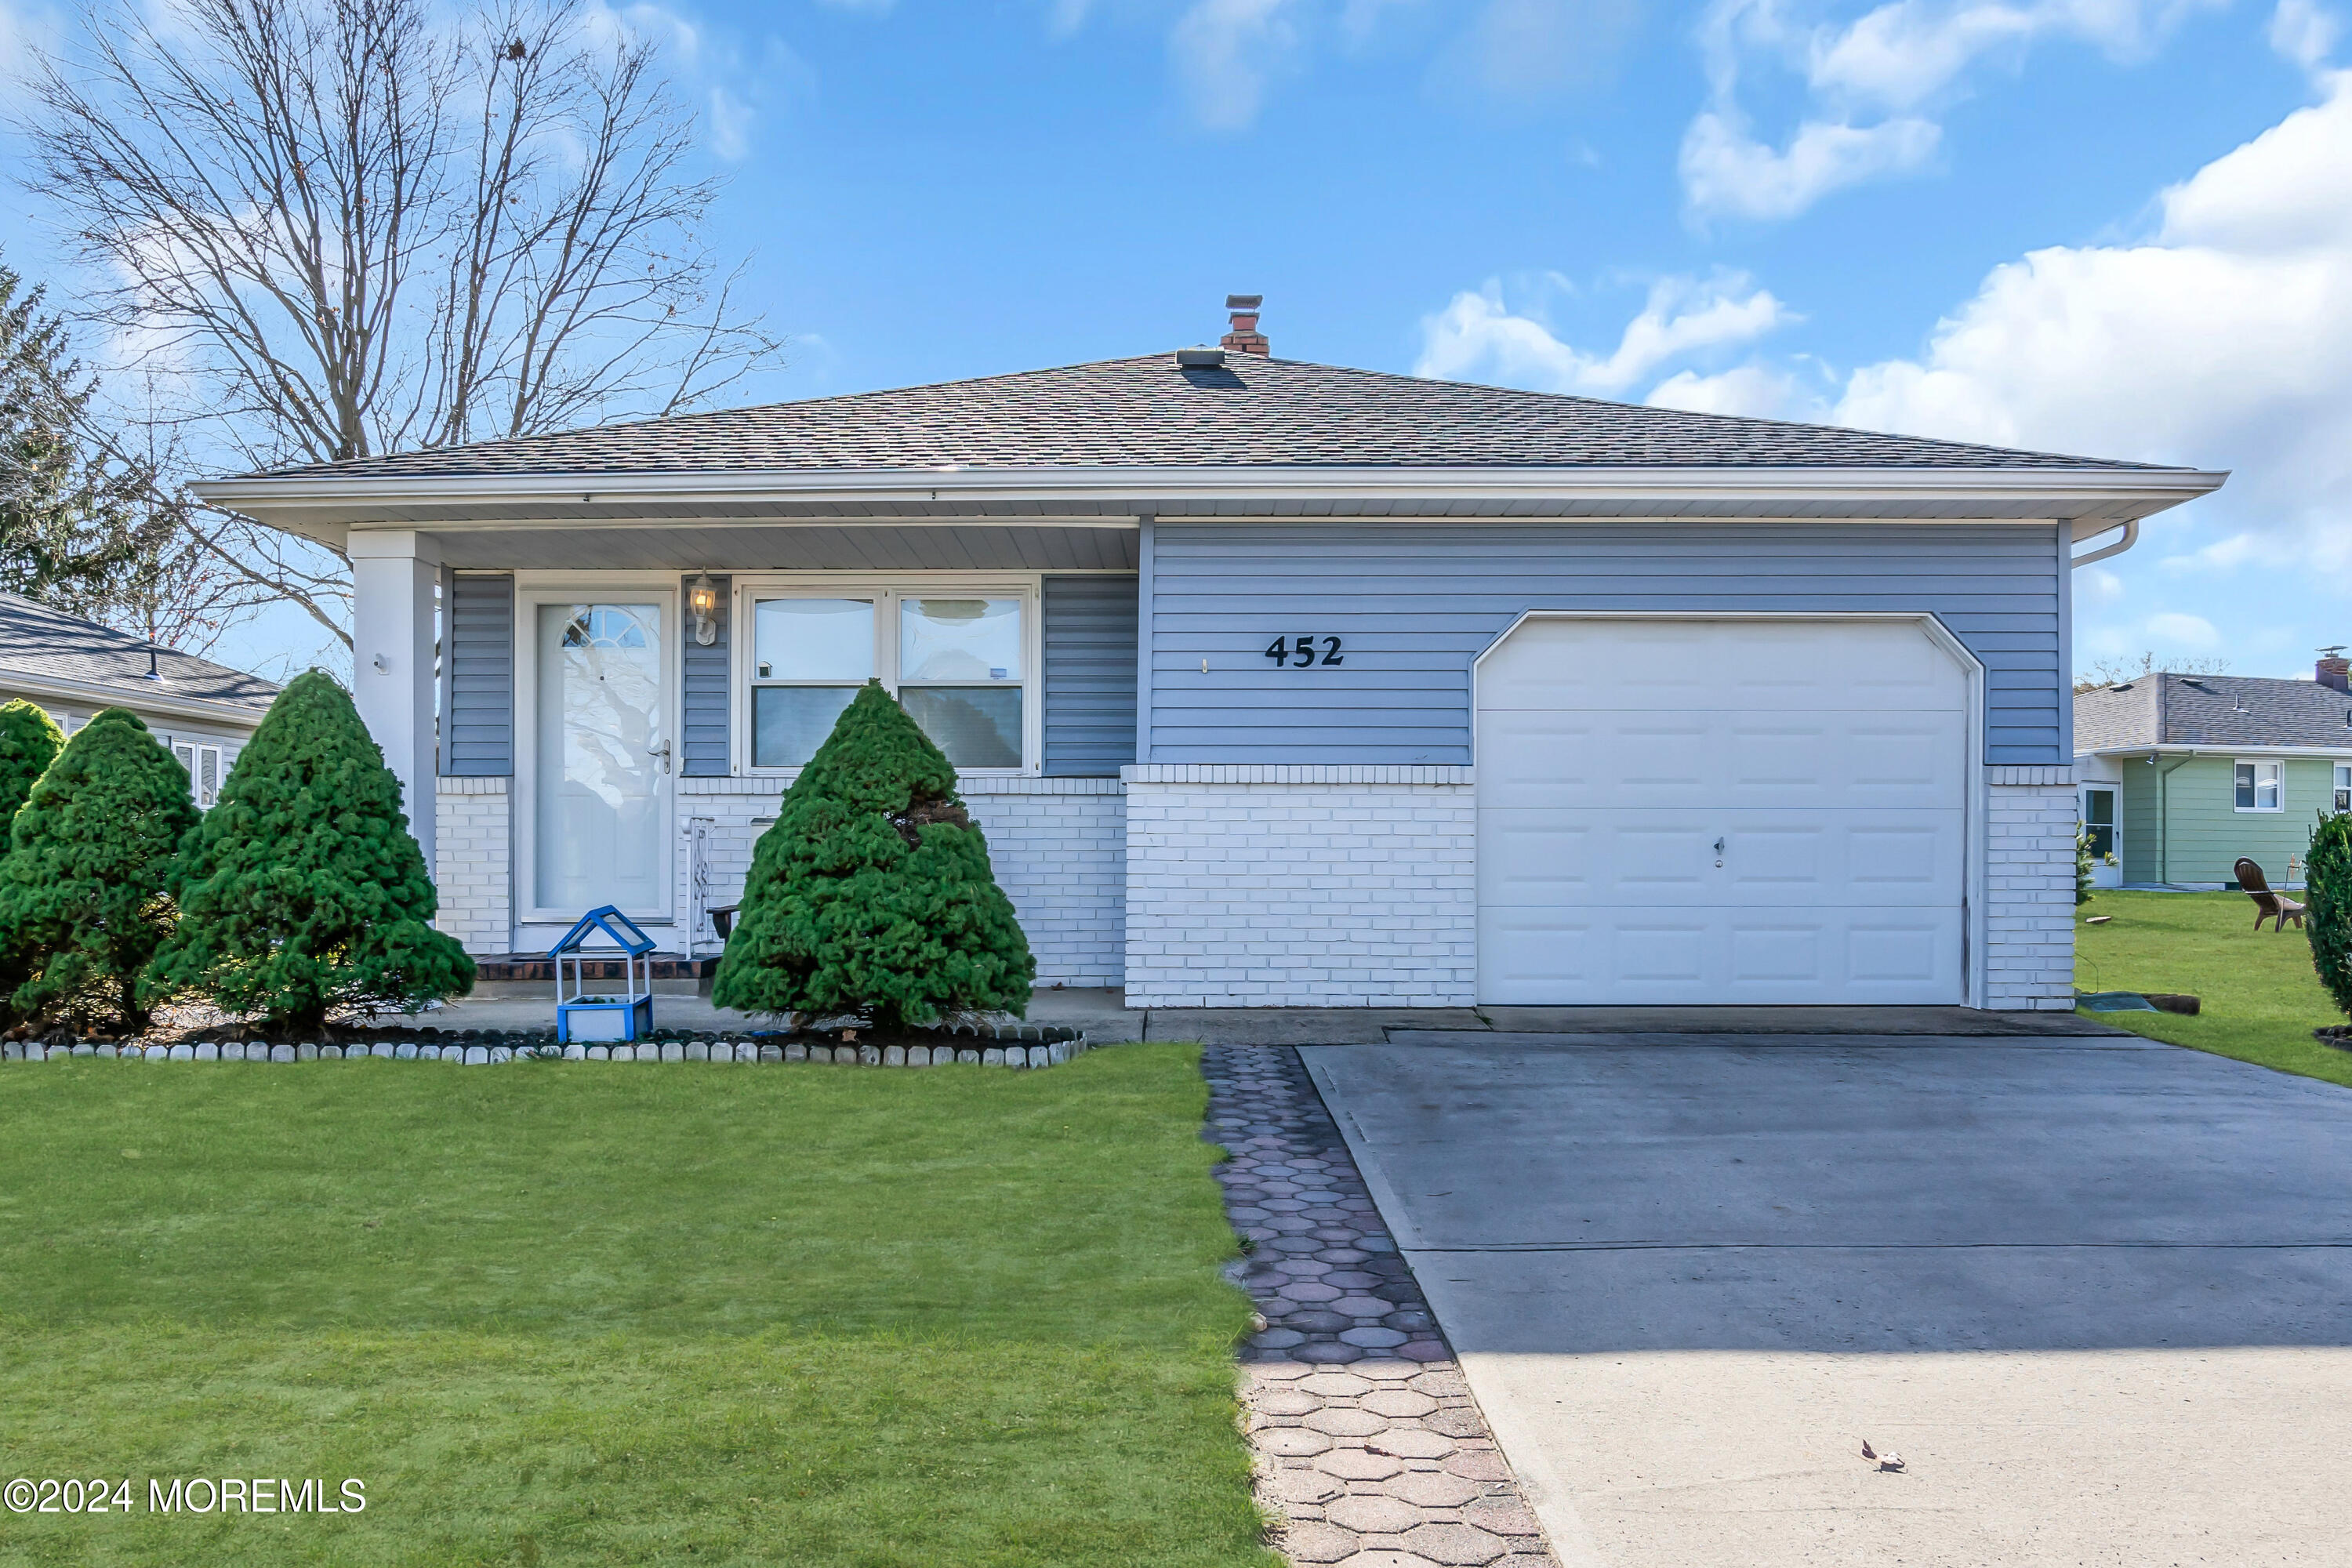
2117,672
341,229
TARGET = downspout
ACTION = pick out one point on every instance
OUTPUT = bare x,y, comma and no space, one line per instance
2130,537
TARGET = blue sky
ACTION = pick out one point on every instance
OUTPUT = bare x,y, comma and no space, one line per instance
2102,226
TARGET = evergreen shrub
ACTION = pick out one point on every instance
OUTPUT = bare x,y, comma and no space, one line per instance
29,741
2327,905
303,893
872,893
83,891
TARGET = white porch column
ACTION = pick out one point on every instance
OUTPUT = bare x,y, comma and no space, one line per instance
393,576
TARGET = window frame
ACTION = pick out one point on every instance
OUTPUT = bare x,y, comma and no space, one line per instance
2254,786
887,589
2340,787
194,762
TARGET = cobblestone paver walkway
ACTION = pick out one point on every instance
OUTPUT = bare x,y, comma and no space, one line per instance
1369,1445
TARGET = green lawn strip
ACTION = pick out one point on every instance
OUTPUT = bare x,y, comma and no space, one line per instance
2259,996
571,1313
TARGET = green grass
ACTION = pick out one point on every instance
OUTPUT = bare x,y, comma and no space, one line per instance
2260,996
563,1314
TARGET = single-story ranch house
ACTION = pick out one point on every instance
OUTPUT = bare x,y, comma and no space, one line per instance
2181,775
72,668
1272,682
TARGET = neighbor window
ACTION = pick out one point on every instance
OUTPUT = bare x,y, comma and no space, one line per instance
957,661
2099,820
2344,786
2258,786
203,765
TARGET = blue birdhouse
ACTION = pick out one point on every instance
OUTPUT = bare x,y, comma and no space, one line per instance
600,1018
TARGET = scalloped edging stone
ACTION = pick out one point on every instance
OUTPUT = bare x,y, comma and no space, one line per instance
1008,1049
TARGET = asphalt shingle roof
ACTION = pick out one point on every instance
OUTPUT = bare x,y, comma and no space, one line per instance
2165,710
39,641
1147,412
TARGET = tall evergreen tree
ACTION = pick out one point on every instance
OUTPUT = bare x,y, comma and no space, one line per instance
83,889
77,529
872,893
29,741
303,892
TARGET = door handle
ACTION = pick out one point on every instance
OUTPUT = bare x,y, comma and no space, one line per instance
662,751
1718,853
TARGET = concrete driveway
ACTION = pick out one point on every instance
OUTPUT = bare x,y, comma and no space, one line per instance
2095,1291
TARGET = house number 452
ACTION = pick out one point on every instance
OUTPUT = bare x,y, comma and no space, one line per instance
1297,653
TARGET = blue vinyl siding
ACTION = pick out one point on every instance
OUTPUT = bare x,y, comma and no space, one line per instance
1415,603
1090,675
478,700
703,727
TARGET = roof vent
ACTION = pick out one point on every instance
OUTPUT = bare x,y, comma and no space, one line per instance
1213,359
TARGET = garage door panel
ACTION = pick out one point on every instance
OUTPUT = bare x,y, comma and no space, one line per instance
1593,958
1723,757
1830,760
1771,858
1662,666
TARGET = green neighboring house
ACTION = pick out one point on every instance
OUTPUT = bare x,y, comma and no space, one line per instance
2180,774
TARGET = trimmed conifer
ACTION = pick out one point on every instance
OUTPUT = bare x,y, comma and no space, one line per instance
872,893
2328,914
83,889
303,892
29,741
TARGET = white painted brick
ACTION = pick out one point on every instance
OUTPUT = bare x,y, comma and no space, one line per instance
2030,889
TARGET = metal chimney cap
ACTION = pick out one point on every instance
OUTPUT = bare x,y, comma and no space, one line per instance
1244,302
1211,358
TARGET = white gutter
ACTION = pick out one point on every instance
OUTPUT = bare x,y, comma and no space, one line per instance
2130,537
2156,488
161,699
2249,750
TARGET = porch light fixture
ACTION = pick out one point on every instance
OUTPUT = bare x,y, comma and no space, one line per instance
702,603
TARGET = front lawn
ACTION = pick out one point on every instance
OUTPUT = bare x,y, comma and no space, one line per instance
2260,995
563,1313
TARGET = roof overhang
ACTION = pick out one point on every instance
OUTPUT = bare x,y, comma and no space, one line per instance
326,507
2242,749
148,697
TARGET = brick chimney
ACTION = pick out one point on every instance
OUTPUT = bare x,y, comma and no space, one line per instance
1245,339
2333,669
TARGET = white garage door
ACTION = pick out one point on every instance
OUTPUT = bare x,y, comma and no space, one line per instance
1721,811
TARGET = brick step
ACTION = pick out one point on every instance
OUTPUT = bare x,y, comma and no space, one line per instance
539,966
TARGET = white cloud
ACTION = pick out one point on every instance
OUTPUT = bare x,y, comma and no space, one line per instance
1225,51
731,124
2097,585
1477,337
1754,390
2303,33
2224,341
2194,633
1726,170
1869,84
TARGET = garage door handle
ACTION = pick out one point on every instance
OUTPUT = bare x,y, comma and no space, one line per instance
1718,852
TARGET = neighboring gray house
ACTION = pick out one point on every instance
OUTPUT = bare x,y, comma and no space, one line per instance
2183,773
203,711
1271,682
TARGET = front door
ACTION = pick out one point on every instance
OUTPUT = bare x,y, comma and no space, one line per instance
601,784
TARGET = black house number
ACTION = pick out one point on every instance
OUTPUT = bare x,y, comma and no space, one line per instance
1299,653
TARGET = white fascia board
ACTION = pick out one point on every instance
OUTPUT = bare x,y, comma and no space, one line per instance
2143,491
2250,749
92,694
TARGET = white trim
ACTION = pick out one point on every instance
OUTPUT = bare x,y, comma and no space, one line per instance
887,588
2174,749
2163,487
96,695
1974,973
563,588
